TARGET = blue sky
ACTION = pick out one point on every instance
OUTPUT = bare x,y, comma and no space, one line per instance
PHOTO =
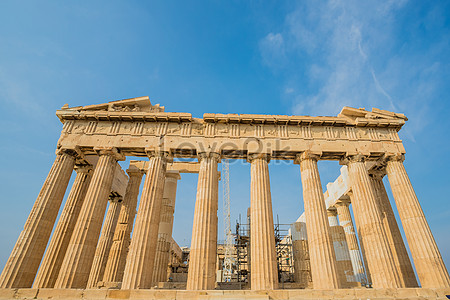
269,57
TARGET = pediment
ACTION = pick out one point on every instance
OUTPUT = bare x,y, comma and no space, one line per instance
139,104
354,113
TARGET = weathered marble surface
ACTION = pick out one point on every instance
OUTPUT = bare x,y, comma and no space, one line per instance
360,293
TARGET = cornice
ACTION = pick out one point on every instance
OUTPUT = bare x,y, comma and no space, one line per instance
227,119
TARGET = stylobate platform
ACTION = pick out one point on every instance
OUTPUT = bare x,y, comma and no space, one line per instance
363,293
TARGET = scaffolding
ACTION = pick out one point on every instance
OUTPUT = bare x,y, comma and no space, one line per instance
242,244
284,251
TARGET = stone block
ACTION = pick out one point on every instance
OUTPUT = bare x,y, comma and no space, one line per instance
386,292
171,294
295,293
278,294
233,294
118,294
426,293
26,293
191,295
406,293
256,294
364,293
152,294
7,293
60,294
214,294
442,292
344,294
322,294
94,294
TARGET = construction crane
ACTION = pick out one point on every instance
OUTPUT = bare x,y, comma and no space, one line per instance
227,261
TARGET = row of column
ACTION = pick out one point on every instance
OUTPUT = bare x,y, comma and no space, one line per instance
78,258
78,255
387,261
384,252
386,257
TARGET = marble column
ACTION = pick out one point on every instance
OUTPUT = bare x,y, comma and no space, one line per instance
23,263
401,258
428,260
53,258
165,227
202,261
77,263
121,240
141,257
323,259
105,241
345,220
380,260
264,273
343,260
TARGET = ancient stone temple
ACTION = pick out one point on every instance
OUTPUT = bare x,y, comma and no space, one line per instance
107,243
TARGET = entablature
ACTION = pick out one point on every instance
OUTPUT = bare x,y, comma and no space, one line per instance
134,125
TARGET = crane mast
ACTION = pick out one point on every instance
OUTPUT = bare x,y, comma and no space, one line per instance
227,262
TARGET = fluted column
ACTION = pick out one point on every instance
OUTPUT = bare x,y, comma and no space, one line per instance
264,273
428,260
202,261
321,251
394,236
141,257
121,240
104,242
345,220
53,258
380,261
165,227
343,260
77,263
23,263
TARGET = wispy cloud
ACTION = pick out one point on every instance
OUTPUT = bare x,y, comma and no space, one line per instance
273,50
353,54
17,93
381,90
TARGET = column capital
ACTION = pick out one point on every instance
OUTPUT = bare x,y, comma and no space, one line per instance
331,212
352,158
252,156
86,169
341,203
173,174
213,155
75,152
394,157
313,155
114,197
166,155
134,171
112,151
377,174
